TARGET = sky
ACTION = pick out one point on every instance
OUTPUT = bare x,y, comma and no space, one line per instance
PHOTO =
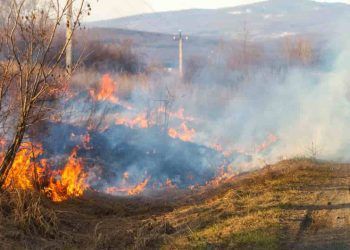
108,9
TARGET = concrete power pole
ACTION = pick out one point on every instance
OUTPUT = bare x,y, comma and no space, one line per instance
180,38
181,72
69,37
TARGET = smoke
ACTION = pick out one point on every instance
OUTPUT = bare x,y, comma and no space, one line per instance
322,112
306,108
155,129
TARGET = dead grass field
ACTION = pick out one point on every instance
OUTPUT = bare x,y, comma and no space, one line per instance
295,204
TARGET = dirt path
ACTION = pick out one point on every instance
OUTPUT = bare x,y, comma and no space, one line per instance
325,223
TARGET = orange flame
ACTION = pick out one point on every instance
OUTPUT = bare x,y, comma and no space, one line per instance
184,133
138,189
107,92
132,191
72,182
257,148
271,139
24,171
224,174
139,121
180,114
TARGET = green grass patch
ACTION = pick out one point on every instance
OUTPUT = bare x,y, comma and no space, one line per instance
256,239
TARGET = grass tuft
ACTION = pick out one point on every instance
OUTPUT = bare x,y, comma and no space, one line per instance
27,211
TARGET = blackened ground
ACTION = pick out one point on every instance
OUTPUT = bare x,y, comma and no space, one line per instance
143,153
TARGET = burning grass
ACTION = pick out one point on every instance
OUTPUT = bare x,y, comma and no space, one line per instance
29,174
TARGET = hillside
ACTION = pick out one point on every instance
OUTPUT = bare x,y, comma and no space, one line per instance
151,46
264,20
300,204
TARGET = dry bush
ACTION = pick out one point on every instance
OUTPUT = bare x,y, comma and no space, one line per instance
247,54
244,53
298,51
113,57
28,212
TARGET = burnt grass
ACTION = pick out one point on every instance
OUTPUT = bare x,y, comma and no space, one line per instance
120,149
294,204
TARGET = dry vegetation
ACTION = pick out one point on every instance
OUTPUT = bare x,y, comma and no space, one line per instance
294,204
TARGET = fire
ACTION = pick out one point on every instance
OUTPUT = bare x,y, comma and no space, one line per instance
257,148
224,174
271,139
180,114
72,182
184,133
26,173
107,92
139,120
139,188
226,151
24,170
129,190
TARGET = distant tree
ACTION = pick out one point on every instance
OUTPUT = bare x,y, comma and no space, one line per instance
120,57
245,54
298,51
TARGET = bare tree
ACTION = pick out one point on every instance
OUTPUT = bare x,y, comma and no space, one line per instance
298,50
32,76
245,54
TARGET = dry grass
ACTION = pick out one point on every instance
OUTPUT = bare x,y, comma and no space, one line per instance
262,210
25,214
28,212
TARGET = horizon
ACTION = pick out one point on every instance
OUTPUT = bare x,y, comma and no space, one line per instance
115,9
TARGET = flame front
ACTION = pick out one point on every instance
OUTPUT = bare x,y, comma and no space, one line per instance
140,120
183,133
72,182
129,190
107,91
28,174
138,189
25,171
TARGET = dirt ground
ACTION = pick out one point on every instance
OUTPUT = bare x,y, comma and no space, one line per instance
323,223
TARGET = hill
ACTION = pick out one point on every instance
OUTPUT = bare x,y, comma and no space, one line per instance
264,20
152,46
300,204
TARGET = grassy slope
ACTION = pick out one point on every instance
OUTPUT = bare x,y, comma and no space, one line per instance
294,204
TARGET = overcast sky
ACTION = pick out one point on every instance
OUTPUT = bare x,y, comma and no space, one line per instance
107,9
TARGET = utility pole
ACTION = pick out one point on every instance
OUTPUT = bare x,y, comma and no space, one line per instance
180,39
180,55
69,37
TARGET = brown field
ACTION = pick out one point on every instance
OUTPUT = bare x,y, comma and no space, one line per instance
295,204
